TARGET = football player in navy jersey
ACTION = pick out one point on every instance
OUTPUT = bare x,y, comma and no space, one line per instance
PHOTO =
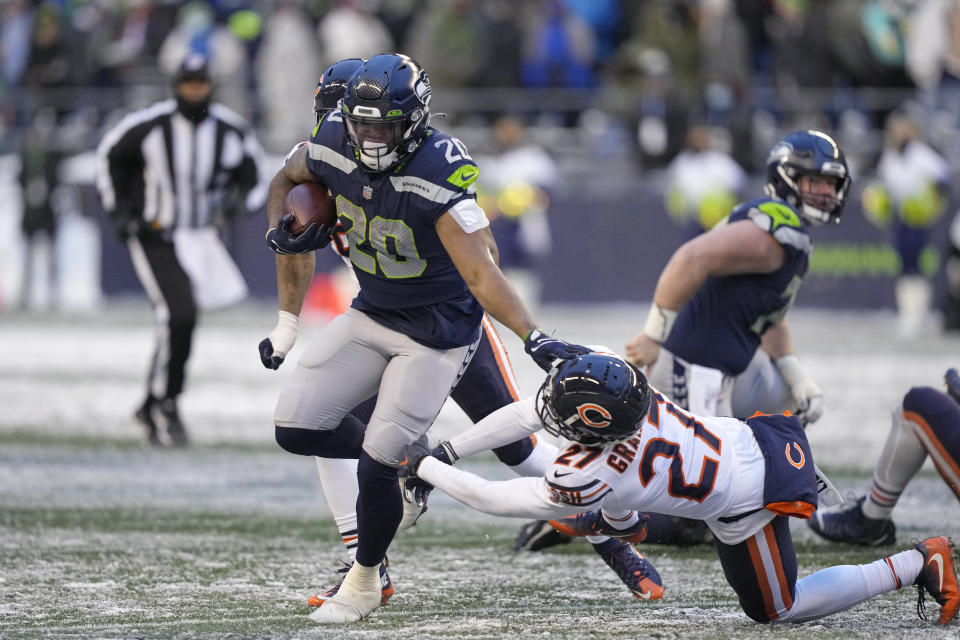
716,339
406,198
487,384
628,450
926,422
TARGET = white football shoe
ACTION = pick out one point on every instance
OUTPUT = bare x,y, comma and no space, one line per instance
359,596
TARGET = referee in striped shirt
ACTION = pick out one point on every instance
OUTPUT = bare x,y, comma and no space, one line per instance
167,174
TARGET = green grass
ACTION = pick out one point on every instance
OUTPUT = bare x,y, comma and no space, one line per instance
120,542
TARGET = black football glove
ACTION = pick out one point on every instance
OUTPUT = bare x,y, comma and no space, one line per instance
546,349
275,347
282,241
415,490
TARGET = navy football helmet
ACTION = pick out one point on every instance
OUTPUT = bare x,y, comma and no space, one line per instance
386,110
808,153
332,84
594,398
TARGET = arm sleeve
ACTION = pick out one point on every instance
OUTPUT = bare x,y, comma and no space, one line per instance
516,498
505,425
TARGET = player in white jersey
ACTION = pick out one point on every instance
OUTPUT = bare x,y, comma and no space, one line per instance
631,450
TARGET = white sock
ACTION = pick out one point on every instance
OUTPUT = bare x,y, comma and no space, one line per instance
539,460
902,457
363,578
835,589
620,519
338,478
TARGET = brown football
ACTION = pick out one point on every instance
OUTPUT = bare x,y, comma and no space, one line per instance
309,202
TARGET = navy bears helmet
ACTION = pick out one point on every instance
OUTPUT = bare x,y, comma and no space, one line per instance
332,84
386,110
808,153
594,398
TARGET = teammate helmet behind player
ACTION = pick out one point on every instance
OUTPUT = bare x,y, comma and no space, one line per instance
808,153
332,84
386,110
594,398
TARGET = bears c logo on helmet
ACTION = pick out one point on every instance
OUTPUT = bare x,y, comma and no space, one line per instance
593,415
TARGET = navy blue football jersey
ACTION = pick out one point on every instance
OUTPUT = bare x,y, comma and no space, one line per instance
407,280
721,326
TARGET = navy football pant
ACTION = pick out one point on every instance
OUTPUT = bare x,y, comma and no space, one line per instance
762,570
935,418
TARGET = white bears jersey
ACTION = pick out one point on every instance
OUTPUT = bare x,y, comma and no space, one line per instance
707,469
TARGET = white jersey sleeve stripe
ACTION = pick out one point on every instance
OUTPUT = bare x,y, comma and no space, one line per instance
331,157
423,188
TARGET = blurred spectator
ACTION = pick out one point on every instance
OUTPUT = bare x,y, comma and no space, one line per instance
800,52
672,28
286,97
911,196
515,186
933,45
661,117
39,160
50,65
449,38
196,31
703,183
866,40
122,40
353,30
725,61
15,28
504,37
559,48
605,20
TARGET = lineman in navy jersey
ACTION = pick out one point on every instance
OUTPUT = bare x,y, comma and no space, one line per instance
720,304
405,195
629,449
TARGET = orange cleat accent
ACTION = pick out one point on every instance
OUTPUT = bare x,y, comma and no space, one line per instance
386,586
938,577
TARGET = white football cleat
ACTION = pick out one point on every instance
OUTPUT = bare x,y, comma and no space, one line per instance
356,599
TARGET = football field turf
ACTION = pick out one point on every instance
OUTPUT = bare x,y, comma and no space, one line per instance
101,537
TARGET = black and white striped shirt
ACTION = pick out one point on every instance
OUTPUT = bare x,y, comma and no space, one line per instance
173,172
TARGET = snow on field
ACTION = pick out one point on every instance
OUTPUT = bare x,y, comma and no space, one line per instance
101,537
84,376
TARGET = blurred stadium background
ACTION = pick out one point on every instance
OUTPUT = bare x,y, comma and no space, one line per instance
605,90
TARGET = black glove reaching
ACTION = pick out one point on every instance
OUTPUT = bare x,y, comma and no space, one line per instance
282,241
415,490
546,349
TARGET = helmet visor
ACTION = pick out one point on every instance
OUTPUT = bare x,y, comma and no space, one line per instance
821,192
376,137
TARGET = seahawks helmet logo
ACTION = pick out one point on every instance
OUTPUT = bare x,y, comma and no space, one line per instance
422,88
593,415
781,150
